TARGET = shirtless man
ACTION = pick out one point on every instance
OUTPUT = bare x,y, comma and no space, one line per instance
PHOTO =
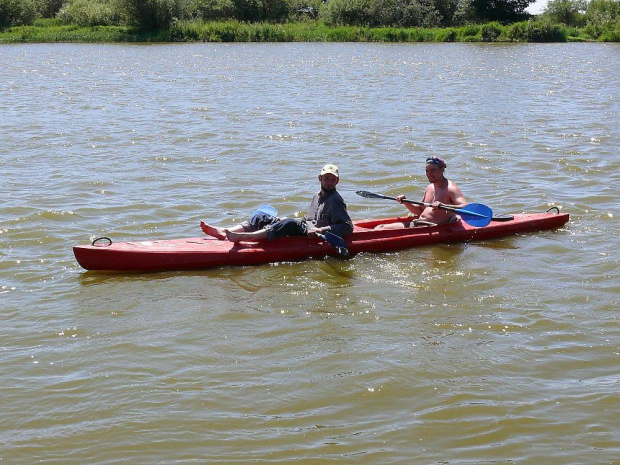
440,191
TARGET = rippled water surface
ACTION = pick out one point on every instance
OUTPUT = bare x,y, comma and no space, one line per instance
504,351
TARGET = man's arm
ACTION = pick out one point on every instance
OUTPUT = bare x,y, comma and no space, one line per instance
456,196
412,207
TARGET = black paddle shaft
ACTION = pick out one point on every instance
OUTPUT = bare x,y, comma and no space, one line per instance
371,195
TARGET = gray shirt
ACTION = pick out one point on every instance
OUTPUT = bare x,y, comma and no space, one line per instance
329,209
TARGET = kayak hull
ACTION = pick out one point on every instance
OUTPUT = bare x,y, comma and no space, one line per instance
205,252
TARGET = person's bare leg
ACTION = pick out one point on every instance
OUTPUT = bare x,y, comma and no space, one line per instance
219,233
397,225
234,236
212,231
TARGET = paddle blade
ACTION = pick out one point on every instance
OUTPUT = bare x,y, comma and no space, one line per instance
476,214
336,242
371,195
266,209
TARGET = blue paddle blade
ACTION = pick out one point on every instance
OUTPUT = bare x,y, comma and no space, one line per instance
265,209
336,242
476,214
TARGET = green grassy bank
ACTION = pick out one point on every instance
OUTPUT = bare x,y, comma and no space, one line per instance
45,31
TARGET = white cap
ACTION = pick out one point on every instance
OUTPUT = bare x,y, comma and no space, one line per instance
330,169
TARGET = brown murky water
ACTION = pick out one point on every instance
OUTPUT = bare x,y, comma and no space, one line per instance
496,352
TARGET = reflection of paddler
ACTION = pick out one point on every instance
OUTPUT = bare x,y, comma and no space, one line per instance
441,192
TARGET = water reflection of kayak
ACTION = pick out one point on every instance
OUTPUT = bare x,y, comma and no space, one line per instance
204,252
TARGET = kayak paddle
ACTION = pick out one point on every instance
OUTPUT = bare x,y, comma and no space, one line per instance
475,214
265,209
336,242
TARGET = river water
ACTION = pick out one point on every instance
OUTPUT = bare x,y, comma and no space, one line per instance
504,351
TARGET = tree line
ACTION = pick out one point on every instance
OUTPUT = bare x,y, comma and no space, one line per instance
581,13
159,14
598,16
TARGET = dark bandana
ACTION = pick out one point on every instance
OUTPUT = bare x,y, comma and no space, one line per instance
436,161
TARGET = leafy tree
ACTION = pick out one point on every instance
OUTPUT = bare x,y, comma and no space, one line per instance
276,10
215,9
248,10
151,15
305,8
16,13
404,13
569,12
348,13
603,19
421,13
607,10
464,13
48,8
262,10
447,9
379,13
502,11
89,13
384,12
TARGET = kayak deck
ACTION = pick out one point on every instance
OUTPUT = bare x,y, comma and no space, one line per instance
205,252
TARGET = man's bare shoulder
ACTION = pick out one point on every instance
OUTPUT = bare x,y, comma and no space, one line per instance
453,187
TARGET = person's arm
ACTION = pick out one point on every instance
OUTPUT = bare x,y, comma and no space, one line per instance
413,208
417,209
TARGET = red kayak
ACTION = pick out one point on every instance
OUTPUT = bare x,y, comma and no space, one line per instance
205,252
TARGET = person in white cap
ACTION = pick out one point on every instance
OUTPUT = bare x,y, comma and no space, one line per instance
327,212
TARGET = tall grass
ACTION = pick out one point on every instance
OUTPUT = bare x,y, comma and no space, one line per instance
51,30
234,31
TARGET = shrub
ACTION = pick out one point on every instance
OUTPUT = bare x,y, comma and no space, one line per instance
446,35
149,15
89,13
471,30
517,32
610,36
545,31
490,32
